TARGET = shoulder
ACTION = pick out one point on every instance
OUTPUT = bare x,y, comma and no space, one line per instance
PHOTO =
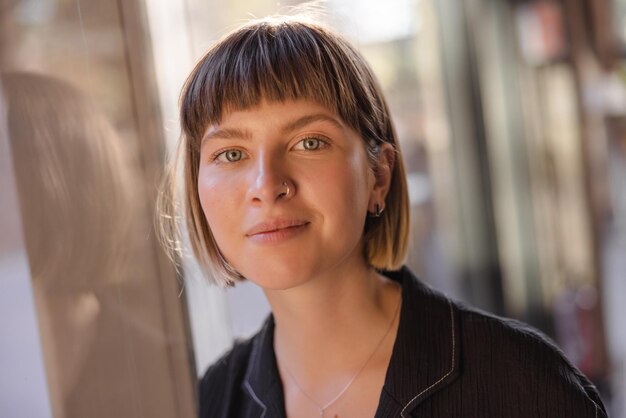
221,383
496,365
232,363
524,362
515,340
507,332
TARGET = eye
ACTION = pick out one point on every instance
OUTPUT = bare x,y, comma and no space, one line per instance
311,144
229,156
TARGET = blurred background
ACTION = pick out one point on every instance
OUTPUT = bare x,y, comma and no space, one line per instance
512,120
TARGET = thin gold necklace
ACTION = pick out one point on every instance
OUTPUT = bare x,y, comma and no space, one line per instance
321,408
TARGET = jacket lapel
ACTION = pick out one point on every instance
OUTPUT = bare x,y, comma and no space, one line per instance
426,352
262,382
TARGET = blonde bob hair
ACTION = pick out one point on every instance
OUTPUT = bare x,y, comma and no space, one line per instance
278,59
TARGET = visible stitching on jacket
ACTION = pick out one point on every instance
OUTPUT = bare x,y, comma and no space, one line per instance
442,377
249,388
255,397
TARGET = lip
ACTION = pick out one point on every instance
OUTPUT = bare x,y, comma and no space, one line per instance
276,230
275,225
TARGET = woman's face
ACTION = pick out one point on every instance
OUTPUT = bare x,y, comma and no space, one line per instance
274,238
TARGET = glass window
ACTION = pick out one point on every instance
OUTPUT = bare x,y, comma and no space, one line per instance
81,127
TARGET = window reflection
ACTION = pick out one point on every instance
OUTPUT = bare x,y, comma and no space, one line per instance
75,198
82,115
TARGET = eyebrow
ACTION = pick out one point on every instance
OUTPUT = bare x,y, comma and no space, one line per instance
236,133
309,119
227,133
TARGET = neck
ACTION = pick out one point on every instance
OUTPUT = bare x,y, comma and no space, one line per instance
318,323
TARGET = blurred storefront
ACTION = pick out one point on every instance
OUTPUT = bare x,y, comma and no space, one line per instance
552,98
512,121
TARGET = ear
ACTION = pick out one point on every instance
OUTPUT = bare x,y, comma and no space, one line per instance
382,174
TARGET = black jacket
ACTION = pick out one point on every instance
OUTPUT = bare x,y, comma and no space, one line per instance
448,361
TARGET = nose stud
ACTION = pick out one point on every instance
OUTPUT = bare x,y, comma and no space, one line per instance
287,192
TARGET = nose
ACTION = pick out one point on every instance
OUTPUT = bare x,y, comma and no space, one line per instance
270,181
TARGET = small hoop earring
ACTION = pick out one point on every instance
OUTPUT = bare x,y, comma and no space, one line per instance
378,211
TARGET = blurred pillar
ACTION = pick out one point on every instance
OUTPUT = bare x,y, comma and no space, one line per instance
476,248
592,46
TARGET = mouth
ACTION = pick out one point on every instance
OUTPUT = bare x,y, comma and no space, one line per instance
275,225
276,230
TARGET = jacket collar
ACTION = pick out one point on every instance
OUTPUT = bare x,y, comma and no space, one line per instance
425,355
426,352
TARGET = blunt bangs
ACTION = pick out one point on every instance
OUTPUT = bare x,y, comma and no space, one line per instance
277,62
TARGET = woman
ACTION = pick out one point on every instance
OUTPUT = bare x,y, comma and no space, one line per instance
294,181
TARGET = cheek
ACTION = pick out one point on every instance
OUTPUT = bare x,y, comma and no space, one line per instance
217,197
357,178
344,190
208,191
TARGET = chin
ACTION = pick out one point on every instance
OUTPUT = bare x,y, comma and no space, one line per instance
277,270
281,277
